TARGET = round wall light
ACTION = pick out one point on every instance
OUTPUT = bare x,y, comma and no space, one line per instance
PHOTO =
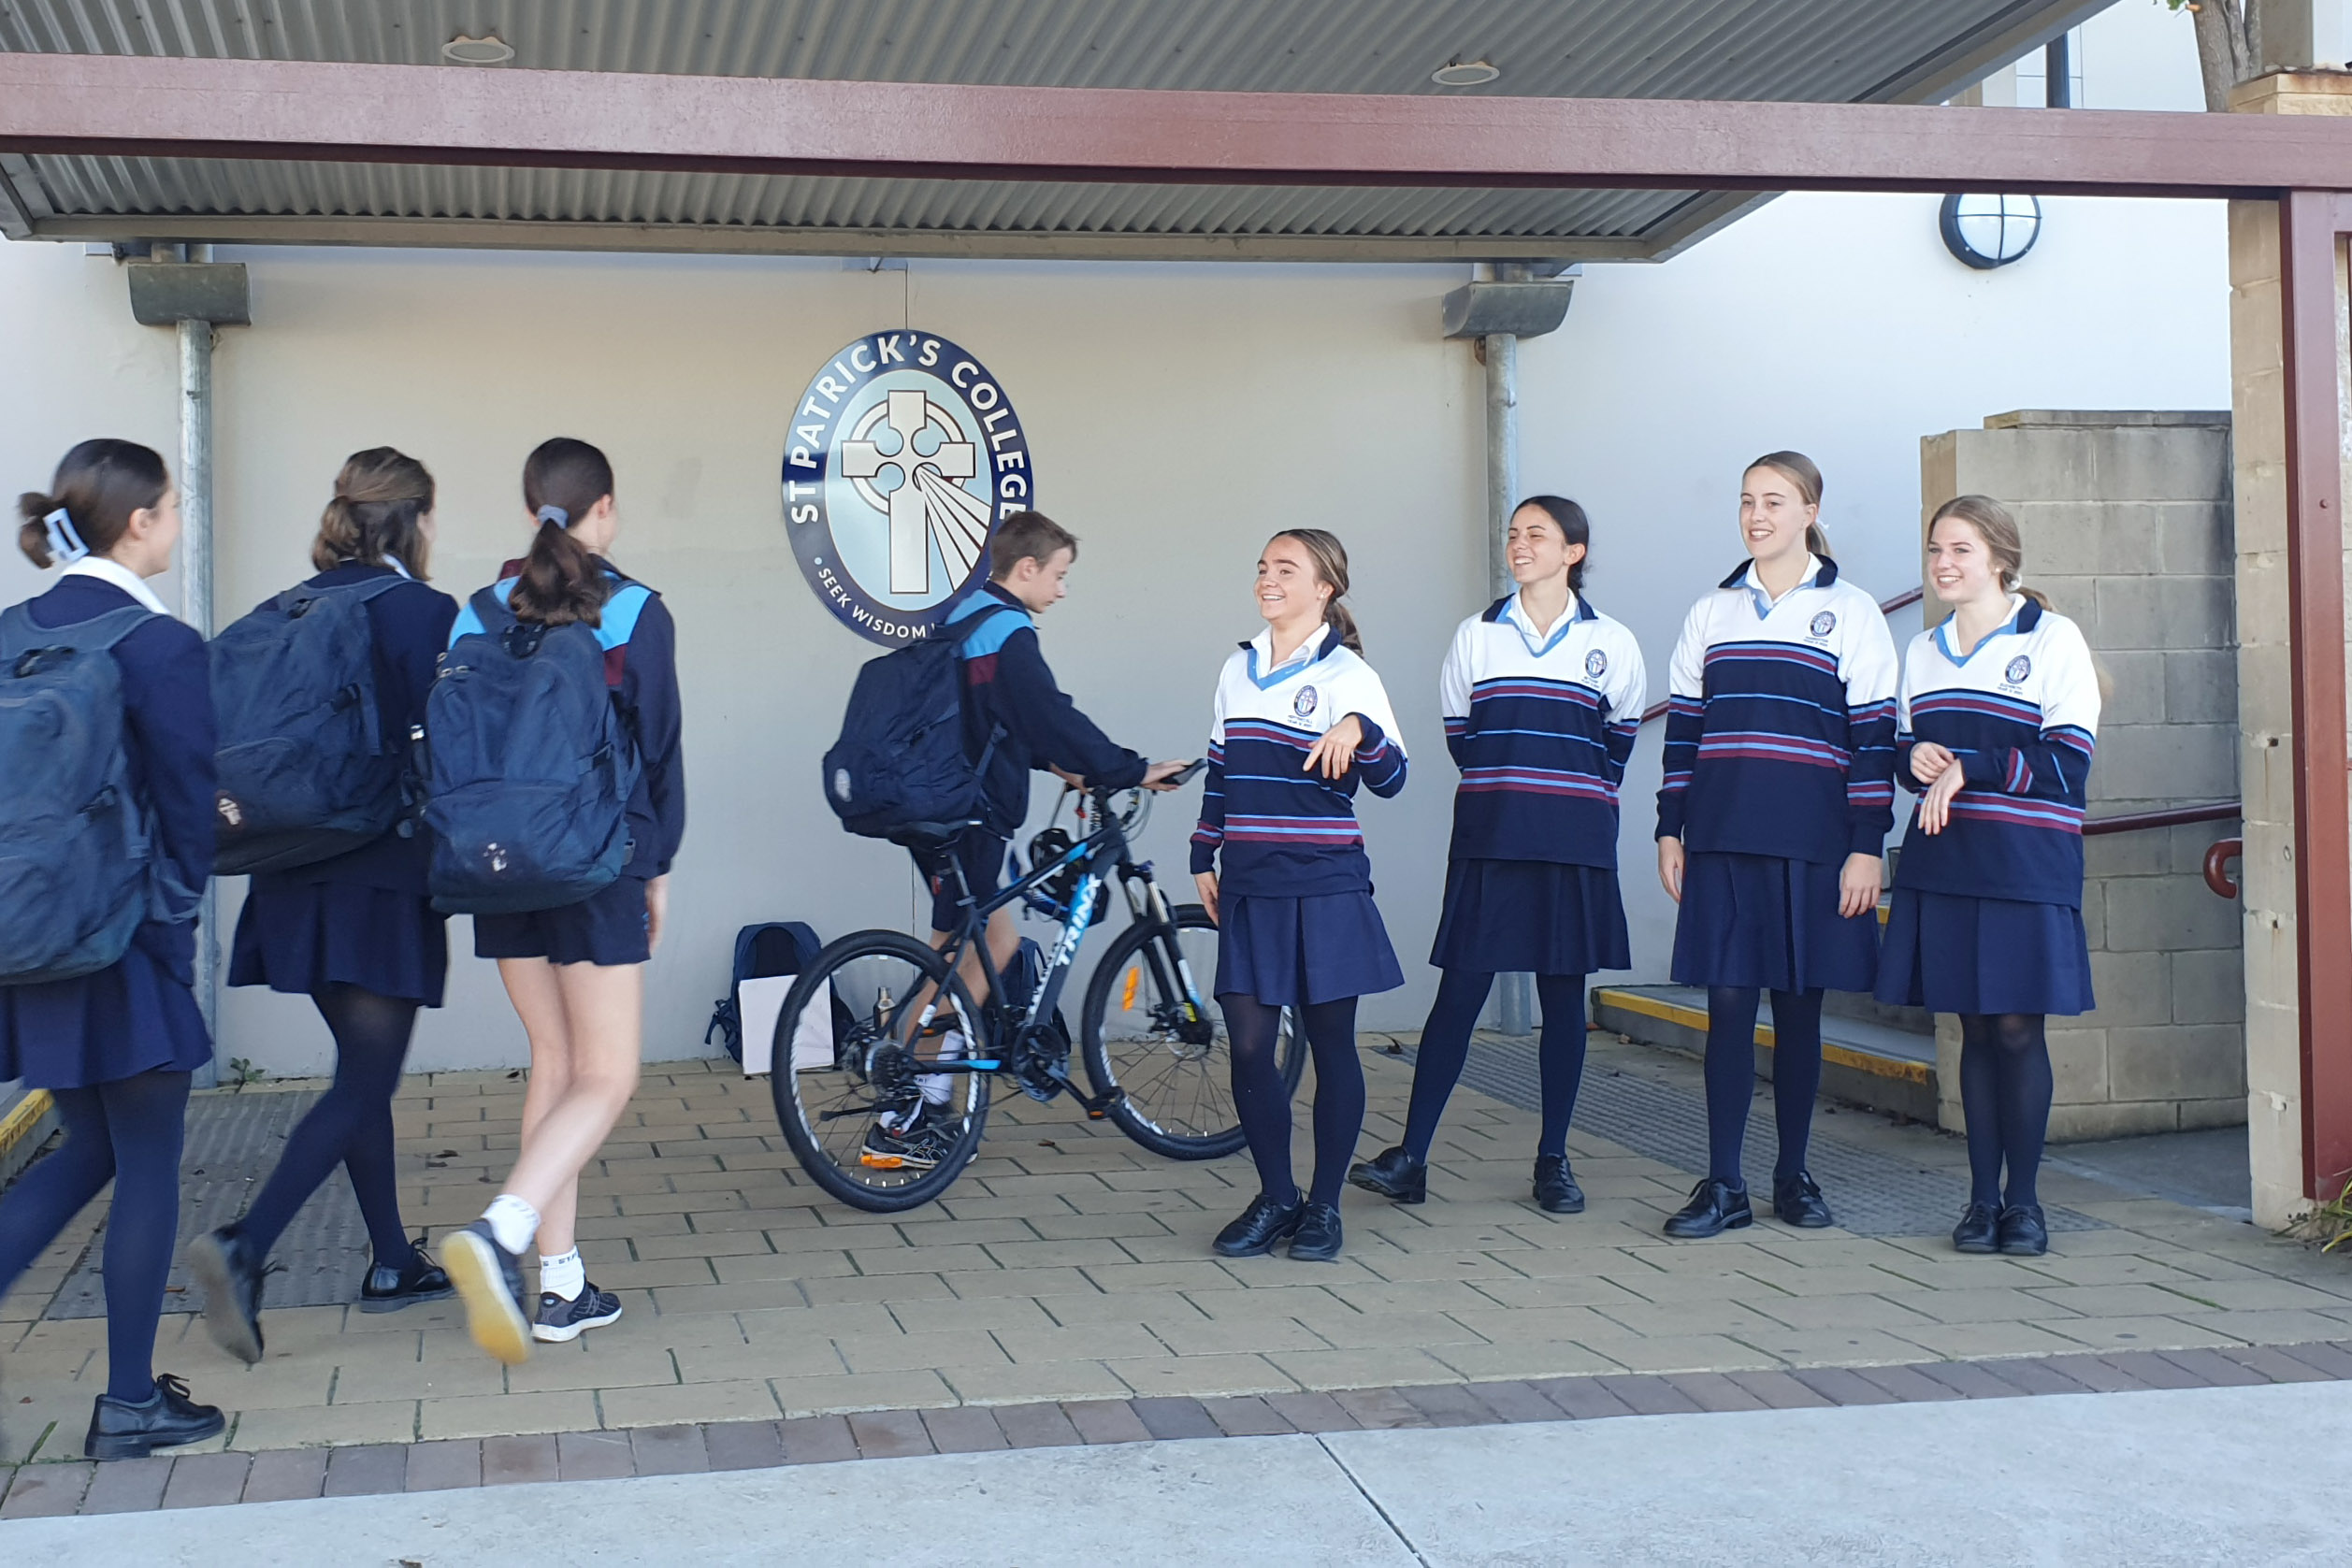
1990,231
1465,73
490,50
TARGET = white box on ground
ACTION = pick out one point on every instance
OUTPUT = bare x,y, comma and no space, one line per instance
757,1002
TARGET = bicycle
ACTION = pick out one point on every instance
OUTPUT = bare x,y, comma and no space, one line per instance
903,1021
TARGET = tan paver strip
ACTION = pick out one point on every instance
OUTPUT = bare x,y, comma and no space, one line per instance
1068,1272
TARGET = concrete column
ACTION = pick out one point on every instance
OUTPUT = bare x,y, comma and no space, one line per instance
2274,1065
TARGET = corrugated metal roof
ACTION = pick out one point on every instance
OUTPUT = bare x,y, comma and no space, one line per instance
1826,51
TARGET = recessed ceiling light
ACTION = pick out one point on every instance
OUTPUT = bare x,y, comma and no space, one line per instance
1465,73
490,50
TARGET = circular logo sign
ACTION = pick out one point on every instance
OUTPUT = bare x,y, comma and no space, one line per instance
1302,705
902,457
1596,664
1823,624
2019,668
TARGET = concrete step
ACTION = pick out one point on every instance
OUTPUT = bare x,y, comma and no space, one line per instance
1866,1060
27,1120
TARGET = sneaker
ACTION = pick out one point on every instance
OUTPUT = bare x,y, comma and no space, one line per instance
916,1147
559,1321
489,1282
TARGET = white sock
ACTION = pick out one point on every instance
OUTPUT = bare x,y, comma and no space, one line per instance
938,1087
564,1275
512,1221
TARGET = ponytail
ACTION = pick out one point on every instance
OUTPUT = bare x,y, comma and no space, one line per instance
1804,473
1331,565
378,511
563,480
1817,539
98,485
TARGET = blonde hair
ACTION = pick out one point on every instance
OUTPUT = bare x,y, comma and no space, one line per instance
1999,530
1331,565
1801,472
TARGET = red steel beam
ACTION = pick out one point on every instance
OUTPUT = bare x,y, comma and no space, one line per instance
130,106
2312,229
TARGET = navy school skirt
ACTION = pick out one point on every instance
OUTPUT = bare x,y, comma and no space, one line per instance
139,1014
608,928
1298,952
1758,920
1953,954
301,937
1531,918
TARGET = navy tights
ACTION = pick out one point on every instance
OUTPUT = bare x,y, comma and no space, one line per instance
1731,1075
1445,1045
127,1133
2005,1089
1263,1101
351,1125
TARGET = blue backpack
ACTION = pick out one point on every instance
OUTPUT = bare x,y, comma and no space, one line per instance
530,769
764,950
305,773
900,759
76,878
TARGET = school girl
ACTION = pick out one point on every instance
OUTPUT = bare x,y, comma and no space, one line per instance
576,974
2000,717
1542,696
355,933
1301,720
115,1048
1774,812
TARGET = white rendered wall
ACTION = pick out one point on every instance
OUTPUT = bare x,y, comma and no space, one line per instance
1178,414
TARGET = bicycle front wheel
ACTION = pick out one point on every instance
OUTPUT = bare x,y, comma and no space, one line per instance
866,1116
1172,1064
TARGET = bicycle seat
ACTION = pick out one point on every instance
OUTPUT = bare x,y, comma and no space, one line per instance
929,835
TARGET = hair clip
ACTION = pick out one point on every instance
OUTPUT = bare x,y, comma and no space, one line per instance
557,515
64,543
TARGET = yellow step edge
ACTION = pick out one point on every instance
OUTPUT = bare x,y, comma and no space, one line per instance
22,1119
1696,1018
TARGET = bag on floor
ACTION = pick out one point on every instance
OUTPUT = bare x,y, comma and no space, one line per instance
528,767
769,958
305,771
900,759
76,878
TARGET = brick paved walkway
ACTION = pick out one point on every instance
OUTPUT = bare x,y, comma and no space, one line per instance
1068,1271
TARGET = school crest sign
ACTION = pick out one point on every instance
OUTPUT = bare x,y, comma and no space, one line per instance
904,453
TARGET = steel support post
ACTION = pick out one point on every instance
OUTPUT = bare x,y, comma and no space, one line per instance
1515,999
196,599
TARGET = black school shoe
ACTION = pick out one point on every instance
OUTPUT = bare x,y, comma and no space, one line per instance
1715,1207
489,1280
1797,1201
229,1272
1317,1237
561,1322
2023,1232
389,1290
120,1430
1556,1192
1979,1231
1264,1223
1394,1175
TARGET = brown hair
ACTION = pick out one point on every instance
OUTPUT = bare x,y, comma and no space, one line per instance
100,484
1999,530
380,500
1331,565
1801,472
1574,527
1027,536
563,480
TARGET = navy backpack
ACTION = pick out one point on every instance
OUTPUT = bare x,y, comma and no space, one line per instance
770,948
900,758
529,767
305,772
77,872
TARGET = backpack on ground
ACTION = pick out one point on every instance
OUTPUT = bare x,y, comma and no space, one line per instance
769,958
529,767
763,950
305,770
900,758
75,872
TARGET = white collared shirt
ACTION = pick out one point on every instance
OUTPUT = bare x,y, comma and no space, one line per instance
107,569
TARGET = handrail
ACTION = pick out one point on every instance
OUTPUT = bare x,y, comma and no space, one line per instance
2216,862
2180,816
1900,602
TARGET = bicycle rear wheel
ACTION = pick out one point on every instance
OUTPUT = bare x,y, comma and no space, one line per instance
1175,1068
866,1121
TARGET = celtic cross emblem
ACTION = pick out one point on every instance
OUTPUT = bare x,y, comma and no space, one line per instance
905,457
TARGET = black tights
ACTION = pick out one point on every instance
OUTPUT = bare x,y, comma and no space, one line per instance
1264,1101
2005,1091
1445,1045
351,1125
1731,1075
127,1133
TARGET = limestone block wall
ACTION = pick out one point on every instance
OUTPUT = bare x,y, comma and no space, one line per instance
2126,524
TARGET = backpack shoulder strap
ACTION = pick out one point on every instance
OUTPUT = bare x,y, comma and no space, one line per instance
361,591
20,634
968,630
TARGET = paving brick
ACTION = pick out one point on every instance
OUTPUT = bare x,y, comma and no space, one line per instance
1036,1426
2099,1376
206,1480
742,1445
286,1474
1380,1409
2330,1357
508,1460
2217,1370
1175,1418
2155,1370
1840,1387
1581,1399
1713,1391
449,1466
816,1440
1447,1404
1974,1379
369,1471
1648,1395
672,1451
1312,1413
965,1429
1245,1415
43,1492
593,1455
128,1487
1908,1384
2275,1365
1515,1400
1778,1390
1107,1421
889,1434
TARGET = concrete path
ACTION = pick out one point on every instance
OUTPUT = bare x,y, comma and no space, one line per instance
2144,1479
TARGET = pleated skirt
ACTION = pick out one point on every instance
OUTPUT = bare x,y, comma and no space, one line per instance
301,937
1298,952
1758,920
1531,918
1953,954
137,1015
